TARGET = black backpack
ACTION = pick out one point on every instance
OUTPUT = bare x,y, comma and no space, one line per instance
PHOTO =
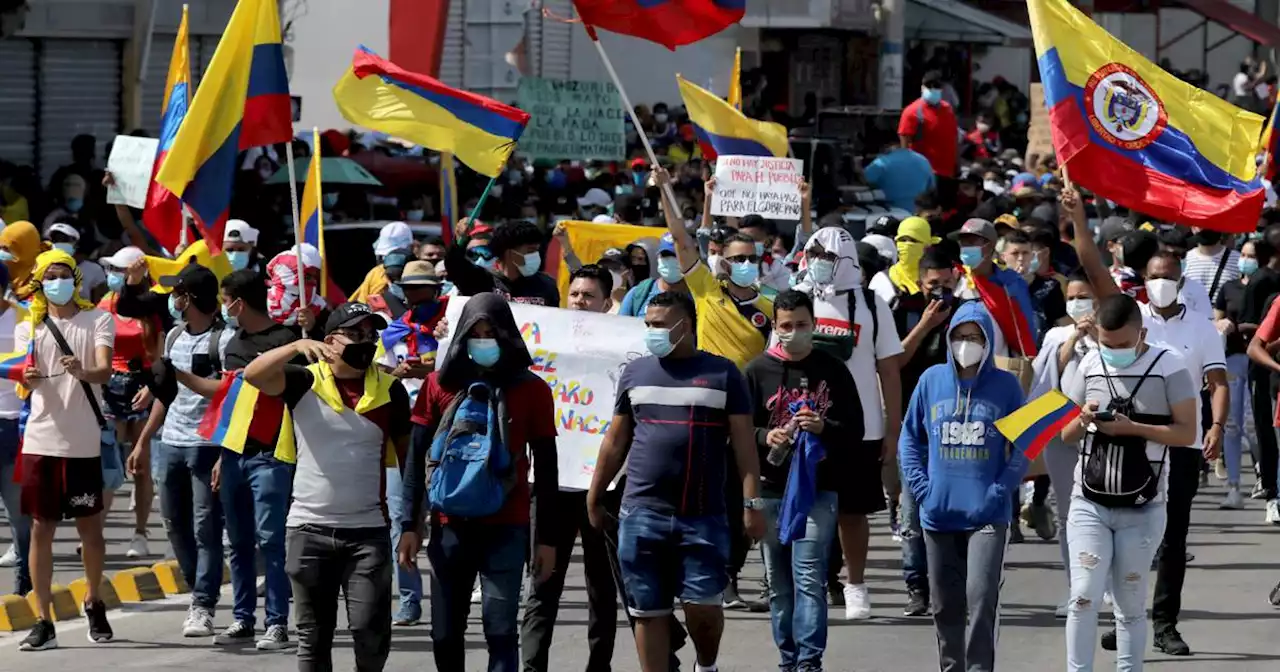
1115,471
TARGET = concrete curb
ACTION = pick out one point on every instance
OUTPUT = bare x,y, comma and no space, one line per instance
137,585
106,592
64,605
16,614
169,574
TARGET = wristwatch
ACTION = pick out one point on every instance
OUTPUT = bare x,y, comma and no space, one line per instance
753,504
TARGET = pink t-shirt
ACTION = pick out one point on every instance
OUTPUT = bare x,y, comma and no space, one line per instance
62,423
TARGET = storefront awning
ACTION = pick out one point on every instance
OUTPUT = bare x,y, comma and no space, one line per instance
1239,20
953,21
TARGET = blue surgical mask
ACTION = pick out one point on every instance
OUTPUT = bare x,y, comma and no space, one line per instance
759,249
532,262
59,291
238,260
484,351
658,340
74,205
231,320
396,291
1034,266
669,270
743,273
1118,358
445,288
822,271
65,247
174,312
115,282
971,256
6,255
1248,266
415,215
931,96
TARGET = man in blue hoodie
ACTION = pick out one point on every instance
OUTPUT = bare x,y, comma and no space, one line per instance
962,471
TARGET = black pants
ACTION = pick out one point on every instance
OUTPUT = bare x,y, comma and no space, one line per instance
320,563
1263,412
543,605
1171,571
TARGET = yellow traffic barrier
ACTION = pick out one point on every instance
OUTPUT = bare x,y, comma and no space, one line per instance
106,592
16,614
138,584
63,605
169,574
226,573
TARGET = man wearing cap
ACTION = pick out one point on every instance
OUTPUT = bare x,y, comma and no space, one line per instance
347,414
393,236
515,271
240,242
929,127
595,202
1005,294
390,302
182,461
670,278
902,174
93,279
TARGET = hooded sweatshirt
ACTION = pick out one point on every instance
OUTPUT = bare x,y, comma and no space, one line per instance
22,240
959,467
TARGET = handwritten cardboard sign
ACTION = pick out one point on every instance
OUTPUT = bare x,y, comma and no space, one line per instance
571,119
130,164
758,185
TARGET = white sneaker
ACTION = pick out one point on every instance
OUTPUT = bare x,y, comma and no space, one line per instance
1273,512
199,622
10,557
1233,500
275,639
1220,469
857,603
138,547
1106,598
476,596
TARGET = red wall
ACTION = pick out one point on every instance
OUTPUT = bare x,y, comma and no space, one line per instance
417,34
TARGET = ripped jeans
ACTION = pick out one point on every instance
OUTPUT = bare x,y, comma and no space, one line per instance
1119,543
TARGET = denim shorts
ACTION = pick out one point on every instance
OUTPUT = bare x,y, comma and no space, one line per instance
112,464
666,557
119,392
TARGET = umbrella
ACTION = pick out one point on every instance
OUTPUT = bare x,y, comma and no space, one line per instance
397,172
333,170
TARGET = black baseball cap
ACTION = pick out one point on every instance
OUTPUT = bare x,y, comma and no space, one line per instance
350,314
885,225
195,281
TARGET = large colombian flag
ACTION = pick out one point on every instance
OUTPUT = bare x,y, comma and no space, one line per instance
1031,427
723,130
313,213
380,95
1133,133
671,23
239,411
163,214
242,103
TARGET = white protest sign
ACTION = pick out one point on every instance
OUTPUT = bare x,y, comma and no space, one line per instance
130,165
580,355
758,185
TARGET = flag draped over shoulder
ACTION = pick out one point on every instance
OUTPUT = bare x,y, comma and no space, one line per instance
720,129
1031,427
671,23
163,214
238,411
313,213
416,330
1133,133
380,95
243,102
1008,300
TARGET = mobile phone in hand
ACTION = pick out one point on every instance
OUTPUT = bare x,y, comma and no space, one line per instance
1104,416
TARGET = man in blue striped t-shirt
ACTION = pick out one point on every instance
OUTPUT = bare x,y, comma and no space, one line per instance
677,413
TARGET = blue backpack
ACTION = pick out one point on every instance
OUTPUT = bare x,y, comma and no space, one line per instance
472,468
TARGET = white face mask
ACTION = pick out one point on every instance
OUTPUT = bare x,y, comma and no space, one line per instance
967,353
1079,308
713,262
1162,293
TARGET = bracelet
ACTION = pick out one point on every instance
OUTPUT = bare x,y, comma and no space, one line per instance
1218,424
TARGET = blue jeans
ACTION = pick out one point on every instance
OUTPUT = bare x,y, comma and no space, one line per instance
255,497
915,560
457,552
798,582
1233,440
11,493
665,557
192,515
1116,543
408,580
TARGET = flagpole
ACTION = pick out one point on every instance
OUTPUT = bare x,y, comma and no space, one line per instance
631,112
297,225
484,195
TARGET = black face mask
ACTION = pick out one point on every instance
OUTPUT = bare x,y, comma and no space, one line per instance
359,356
946,296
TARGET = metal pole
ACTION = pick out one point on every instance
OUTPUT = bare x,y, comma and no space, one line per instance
297,223
892,16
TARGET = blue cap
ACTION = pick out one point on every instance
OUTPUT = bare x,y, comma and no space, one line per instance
666,244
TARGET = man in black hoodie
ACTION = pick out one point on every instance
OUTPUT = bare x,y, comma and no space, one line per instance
832,411
487,348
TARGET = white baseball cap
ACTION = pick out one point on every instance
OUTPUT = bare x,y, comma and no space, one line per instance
595,197
124,257
65,229
239,231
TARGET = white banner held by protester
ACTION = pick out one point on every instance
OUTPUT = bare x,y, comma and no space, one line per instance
580,355
130,166
758,185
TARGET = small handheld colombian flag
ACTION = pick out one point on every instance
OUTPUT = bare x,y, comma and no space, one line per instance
1131,132
238,411
13,364
1031,427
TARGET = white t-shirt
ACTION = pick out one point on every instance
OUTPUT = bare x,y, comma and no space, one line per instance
1192,337
10,404
62,423
882,285
1240,85
832,317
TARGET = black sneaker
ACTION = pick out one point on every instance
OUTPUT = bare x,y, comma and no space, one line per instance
835,594
1274,598
1109,640
238,632
41,638
917,603
99,629
1015,533
1170,641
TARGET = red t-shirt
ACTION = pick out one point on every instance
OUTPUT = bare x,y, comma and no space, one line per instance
131,341
1269,331
532,410
932,131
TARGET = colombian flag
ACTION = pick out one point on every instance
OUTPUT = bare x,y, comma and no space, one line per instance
1031,427
13,364
380,95
671,23
1133,133
313,214
163,214
724,130
242,103
1271,143
239,411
